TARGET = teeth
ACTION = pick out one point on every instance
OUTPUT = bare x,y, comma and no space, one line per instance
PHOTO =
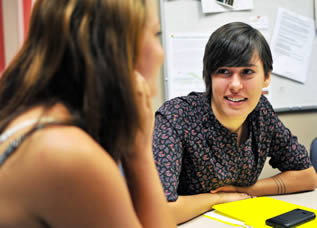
235,99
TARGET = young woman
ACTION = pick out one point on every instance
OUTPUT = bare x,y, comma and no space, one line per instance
211,147
75,102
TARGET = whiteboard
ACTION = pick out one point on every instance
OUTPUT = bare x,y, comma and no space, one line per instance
185,17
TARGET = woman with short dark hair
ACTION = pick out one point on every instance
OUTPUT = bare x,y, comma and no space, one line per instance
211,147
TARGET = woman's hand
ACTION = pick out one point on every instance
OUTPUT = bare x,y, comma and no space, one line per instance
227,188
225,197
140,171
187,207
233,189
144,99
143,139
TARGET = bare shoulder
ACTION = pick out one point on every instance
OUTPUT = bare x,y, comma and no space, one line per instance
66,143
75,179
67,152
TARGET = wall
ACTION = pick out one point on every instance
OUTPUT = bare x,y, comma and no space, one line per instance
302,124
11,30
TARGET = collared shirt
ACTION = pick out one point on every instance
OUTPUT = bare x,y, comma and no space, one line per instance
194,153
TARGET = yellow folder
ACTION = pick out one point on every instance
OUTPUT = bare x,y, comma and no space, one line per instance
253,212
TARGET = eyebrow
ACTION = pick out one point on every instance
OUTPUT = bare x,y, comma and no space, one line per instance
248,65
251,65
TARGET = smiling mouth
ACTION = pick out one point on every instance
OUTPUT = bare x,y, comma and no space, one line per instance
235,99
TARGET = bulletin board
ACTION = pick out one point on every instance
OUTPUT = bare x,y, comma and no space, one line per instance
185,18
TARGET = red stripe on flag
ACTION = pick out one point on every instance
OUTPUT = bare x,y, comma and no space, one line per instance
27,7
2,54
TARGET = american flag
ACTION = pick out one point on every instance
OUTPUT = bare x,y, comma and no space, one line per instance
14,19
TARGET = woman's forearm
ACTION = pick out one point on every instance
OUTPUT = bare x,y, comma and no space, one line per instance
285,182
191,206
188,207
147,193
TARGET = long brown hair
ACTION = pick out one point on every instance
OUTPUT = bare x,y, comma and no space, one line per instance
81,53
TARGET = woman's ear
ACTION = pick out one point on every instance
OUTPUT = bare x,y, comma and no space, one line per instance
267,80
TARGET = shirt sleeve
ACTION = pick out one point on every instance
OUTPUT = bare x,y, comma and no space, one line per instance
285,151
168,153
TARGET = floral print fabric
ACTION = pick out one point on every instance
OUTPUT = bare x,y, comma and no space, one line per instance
194,153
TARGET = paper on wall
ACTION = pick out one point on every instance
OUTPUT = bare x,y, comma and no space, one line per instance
211,6
185,64
292,44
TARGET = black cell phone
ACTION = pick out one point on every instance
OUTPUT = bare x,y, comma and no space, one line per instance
291,218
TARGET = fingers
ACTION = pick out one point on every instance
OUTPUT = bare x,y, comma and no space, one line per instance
217,190
140,84
228,188
144,102
232,189
245,196
143,89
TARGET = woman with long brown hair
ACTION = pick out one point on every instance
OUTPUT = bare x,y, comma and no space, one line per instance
74,102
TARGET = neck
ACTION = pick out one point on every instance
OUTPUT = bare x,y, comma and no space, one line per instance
235,125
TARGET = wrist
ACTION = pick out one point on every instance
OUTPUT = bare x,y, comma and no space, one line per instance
138,159
138,153
219,198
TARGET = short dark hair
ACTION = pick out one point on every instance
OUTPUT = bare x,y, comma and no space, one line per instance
234,44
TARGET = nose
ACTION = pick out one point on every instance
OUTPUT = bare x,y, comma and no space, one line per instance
235,83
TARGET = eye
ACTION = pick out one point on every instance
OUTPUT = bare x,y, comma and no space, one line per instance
158,34
247,71
223,71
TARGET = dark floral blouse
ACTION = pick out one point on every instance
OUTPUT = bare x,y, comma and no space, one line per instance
194,153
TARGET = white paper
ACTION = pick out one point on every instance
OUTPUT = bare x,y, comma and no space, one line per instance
225,219
211,6
185,64
291,45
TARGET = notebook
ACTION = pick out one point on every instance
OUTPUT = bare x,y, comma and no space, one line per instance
253,212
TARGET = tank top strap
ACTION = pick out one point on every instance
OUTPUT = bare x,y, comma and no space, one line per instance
7,134
18,141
